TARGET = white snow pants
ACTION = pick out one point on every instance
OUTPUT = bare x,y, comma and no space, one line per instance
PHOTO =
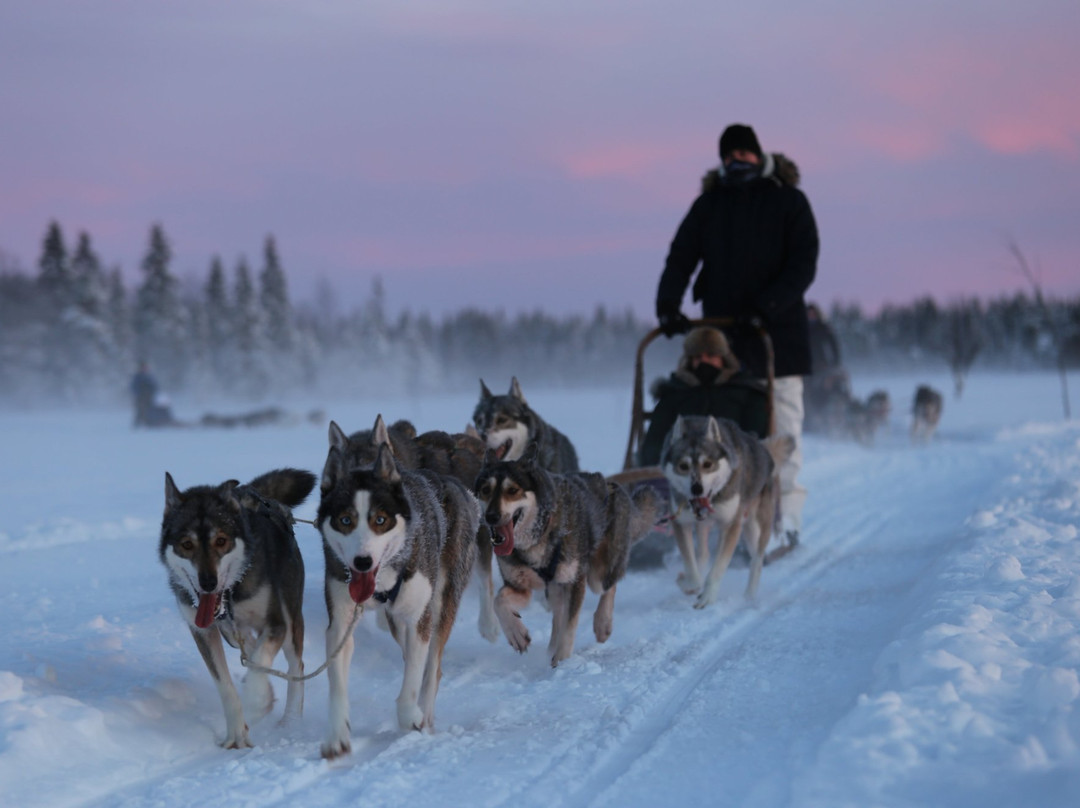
788,406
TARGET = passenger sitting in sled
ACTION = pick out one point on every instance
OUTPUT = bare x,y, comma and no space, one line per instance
707,381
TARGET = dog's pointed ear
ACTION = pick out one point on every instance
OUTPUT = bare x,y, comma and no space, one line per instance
532,451
677,428
724,438
332,468
385,467
471,431
338,438
484,392
712,431
515,390
228,488
379,434
173,498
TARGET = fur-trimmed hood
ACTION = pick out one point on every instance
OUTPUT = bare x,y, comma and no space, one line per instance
776,167
685,376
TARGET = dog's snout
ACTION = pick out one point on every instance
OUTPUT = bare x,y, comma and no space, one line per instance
492,516
208,581
362,563
696,489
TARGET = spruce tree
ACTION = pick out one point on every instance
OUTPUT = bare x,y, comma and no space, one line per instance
160,318
219,332
275,302
247,332
54,272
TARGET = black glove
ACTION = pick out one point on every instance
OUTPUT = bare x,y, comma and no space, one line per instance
672,321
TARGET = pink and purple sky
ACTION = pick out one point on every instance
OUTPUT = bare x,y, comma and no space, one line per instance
514,155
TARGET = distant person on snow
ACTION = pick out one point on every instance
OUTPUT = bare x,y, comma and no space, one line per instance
144,389
753,234
151,407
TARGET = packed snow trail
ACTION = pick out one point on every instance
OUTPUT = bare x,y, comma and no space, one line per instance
839,687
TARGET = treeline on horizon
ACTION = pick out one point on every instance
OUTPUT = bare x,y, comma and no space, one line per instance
73,332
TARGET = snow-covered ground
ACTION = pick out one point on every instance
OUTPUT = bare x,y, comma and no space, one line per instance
919,648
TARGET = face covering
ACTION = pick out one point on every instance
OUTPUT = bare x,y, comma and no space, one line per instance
737,172
706,374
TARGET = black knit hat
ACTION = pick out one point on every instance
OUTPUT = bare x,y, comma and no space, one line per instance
739,136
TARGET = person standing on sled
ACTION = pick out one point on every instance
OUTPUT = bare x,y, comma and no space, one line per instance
753,234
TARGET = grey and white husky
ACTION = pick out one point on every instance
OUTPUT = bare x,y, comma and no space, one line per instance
557,532
237,573
455,455
403,541
508,425
720,475
925,413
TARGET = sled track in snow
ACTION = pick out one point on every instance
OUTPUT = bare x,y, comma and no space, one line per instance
611,750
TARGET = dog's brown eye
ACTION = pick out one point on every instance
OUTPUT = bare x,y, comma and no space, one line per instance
485,490
708,464
512,490
684,467
187,545
221,541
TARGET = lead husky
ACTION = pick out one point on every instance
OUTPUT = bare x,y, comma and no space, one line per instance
508,425
404,541
459,456
237,572
556,532
721,475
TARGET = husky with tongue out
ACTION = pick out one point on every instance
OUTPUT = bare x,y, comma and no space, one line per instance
237,573
403,541
721,476
557,532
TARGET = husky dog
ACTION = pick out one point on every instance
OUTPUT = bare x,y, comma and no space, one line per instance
865,418
404,541
557,532
459,456
926,413
236,572
721,475
508,425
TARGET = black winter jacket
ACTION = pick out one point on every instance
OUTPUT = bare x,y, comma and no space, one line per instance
757,244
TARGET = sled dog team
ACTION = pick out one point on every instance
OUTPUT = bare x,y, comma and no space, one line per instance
405,518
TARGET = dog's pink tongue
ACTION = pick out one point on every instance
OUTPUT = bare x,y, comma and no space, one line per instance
362,585
208,606
507,533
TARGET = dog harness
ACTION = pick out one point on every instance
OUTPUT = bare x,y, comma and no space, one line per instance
390,595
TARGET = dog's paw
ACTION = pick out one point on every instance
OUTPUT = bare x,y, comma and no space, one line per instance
706,598
518,636
688,585
237,739
410,716
335,747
